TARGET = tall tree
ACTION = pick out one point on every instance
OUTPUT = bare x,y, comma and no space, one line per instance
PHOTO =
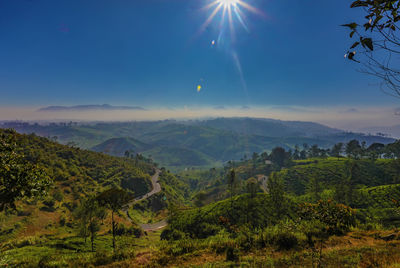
375,150
278,156
276,192
114,199
314,188
18,177
89,213
337,150
353,149
252,187
232,183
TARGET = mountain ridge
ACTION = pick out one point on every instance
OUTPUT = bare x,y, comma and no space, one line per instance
88,107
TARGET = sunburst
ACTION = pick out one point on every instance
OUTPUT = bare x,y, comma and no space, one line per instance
232,9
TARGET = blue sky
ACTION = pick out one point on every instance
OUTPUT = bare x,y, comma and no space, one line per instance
149,53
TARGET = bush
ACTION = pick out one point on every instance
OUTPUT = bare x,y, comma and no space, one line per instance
23,213
232,254
58,196
280,236
172,234
102,258
62,220
286,240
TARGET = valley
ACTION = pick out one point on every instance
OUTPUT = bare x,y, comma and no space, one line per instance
264,208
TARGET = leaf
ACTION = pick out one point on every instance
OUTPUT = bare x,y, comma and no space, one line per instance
367,42
355,45
359,3
352,26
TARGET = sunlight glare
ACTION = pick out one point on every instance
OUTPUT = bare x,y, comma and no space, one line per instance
229,2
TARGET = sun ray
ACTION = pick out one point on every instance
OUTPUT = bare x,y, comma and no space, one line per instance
231,27
239,16
210,5
251,8
223,17
211,17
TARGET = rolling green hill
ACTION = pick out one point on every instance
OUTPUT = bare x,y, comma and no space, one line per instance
118,146
76,174
201,141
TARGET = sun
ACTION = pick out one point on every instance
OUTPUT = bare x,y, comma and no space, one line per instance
228,2
231,11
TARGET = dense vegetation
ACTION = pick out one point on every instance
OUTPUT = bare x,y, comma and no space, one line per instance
76,194
296,202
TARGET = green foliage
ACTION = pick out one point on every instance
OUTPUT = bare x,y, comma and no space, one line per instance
174,190
257,212
19,178
113,199
338,218
88,214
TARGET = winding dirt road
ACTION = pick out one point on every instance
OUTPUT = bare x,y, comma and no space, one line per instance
156,189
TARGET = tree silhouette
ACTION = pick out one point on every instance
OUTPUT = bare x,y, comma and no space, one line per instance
377,44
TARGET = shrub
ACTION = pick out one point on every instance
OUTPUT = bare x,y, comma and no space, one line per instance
172,234
23,213
232,254
280,236
286,240
58,196
62,220
102,258
337,217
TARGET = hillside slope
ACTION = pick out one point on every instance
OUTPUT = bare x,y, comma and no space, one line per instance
76,174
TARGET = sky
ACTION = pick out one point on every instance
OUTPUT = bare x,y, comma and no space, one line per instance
286,63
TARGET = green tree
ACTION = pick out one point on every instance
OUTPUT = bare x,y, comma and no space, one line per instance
18,177
353,149
278,156
393,150
375,150
232,183
114,199
314,188
89,213
337,150
199,199
252,187
276,192
315,151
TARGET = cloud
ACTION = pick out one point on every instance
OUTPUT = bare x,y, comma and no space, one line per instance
83,108
220,107
351,110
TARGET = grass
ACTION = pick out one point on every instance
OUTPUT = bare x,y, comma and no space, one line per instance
367,250
73,250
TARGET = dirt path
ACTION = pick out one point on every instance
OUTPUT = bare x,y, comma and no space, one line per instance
156,189
154,226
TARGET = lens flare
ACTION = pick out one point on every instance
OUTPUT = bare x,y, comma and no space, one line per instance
228,2
232,9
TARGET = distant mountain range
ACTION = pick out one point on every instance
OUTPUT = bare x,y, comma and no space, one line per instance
178,144
88,108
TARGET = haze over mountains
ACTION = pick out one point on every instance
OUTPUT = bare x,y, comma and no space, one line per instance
393,131
194,142
84,108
